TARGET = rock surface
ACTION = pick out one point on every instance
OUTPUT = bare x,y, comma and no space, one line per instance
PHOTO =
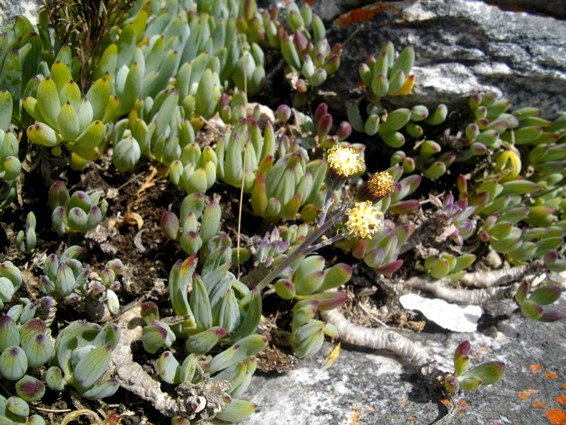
369,388
12,8
462,46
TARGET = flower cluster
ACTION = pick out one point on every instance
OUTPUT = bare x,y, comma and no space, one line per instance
364,220
344,160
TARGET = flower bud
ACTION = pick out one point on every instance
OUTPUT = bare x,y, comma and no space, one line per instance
283,113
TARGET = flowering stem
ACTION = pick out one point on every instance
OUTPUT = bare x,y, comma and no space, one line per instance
304,247
326,242
325,206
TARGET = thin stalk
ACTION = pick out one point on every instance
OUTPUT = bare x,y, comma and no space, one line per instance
297,252
325,207
326,242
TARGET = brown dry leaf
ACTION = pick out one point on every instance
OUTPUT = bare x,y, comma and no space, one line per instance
133,218
82,412
149,181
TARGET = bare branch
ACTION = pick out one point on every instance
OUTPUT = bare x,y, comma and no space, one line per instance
487,279
489,285
385,339
131,375
460,296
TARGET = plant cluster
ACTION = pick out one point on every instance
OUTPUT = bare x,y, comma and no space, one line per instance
152,84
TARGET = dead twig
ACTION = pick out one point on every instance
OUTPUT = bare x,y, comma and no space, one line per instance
489,285
461,296
131,375
386,339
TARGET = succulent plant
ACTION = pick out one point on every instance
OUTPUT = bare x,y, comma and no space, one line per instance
311,285
307,53
195,171
466,379
389,73
187,230
10,165
290,184
27,239
76,213
322,126
532,302
82,358
64,118
520,210
241,151
213,300
66,277
26,345
448,265
208,316
15,410
456,221
10,281
381,250
387,76
24,51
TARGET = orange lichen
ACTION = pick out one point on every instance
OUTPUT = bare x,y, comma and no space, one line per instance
561,399
551,375
363,14
538,404
563,385
446,402
556,416
356,417
528,392
463,404
535,367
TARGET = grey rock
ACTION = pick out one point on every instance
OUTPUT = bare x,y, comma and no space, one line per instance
462,47
376,389
553,8
9,9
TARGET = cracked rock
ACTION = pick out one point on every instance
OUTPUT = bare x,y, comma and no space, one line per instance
461,46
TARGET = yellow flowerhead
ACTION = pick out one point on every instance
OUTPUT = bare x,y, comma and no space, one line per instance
380,185
344,160
364,220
